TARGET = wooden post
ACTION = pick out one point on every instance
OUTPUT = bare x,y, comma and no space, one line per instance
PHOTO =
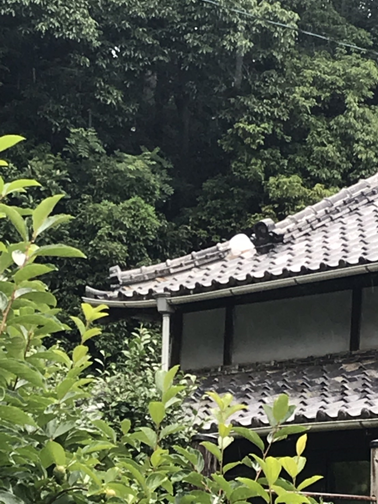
165,309
374,468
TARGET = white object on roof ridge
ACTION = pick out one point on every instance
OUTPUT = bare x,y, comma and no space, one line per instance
240,244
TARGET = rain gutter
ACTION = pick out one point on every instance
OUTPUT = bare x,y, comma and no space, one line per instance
331,425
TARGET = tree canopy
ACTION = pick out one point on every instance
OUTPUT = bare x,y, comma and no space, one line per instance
173,125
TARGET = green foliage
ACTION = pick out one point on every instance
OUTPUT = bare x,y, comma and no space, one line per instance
125,385
251,119
56,449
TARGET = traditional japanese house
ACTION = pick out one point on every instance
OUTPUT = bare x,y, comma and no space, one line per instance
293,308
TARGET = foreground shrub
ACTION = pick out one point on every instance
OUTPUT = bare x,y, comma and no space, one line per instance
55,450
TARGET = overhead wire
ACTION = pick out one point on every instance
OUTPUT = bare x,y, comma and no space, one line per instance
293,28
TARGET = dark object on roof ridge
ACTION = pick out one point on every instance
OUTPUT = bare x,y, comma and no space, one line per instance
265,235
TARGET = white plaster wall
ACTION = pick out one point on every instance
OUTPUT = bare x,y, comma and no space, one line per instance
292,328
369,319
202,339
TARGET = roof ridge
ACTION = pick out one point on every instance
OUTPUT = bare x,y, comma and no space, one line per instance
170,266
329,204
340,230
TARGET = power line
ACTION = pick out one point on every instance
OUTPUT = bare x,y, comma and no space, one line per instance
293,28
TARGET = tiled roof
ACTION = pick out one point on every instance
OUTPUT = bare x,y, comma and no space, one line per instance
343,387
338,232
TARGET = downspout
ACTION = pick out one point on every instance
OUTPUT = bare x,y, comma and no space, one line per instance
165,309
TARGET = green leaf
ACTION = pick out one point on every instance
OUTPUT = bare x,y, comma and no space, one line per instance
301,444
195,479
9,498
280,407
291,498
125,425
217,399
97,446
23,370
154,480
252,436
121,490
241,494
167,485
43,210
32,271
147,436
188,455
169,377
301,462
290,465
88,471
172,392
90,333
63,428
57,251
79,352
157,411
212,448
52,453
224,430
230,466
223,484
159,379
136,472
156,457
171,429
283,432
41,298
272,470
269,413
7,141
256,487
18,186
15,416
224,442
79,324
35,319
3,301
196,497
16,219
52,221
64,386
106,429
92,313
309,481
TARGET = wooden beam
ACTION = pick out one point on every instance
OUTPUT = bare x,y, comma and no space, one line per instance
228,335
374,468
176,337
355,322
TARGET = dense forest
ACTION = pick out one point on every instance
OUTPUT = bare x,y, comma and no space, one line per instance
172,125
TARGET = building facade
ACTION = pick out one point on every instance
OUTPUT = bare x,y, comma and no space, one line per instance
294,309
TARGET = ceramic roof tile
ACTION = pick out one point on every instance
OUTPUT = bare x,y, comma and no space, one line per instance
339,231
327,388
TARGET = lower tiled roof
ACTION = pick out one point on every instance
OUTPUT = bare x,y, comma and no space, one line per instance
335,387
